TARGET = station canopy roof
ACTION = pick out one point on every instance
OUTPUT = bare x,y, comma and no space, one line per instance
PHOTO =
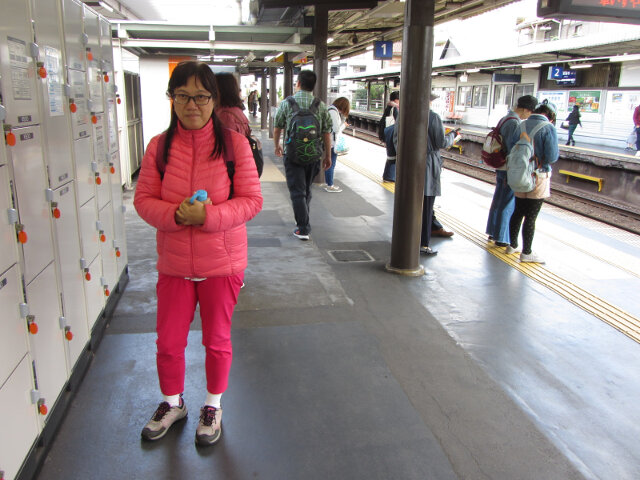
275,27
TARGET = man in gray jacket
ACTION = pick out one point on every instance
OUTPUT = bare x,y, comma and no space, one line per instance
437,140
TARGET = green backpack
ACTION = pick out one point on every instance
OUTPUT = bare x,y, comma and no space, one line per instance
304,144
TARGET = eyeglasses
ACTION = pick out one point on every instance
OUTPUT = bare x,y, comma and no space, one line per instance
182,99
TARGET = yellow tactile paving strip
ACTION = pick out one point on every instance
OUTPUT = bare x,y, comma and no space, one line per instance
617,318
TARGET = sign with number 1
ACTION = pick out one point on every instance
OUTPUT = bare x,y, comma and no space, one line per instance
383,50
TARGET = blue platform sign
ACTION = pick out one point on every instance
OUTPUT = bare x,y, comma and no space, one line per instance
555,73
383,50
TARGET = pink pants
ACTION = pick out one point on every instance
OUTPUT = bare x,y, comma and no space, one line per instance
177,299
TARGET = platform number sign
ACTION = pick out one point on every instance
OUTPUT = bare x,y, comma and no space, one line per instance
383,50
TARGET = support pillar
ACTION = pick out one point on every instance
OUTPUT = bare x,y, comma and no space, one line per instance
263,100
320,61
413,119
273,97
288,75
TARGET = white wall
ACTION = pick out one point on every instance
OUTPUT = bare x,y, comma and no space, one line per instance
630,74
156,108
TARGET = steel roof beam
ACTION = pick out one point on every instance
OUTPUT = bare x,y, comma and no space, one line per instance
206,45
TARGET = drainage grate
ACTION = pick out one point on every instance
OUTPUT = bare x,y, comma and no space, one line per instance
351,256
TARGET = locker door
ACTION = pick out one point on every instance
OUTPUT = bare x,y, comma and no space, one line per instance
19,427
8,249
13,329
107,251
71,275
33,209
79,104
94,293
17,68
94,71
119,237
85,177
89,238
47,343
54,109
112,124
75,41
100,156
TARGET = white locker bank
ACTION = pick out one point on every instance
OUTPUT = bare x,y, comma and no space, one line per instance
63,260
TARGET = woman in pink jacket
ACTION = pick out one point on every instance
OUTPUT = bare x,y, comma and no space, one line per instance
201,243
230,109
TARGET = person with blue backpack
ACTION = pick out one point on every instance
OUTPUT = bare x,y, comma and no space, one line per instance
307,125
538,137
503,201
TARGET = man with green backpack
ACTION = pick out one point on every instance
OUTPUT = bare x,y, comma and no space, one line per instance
307,143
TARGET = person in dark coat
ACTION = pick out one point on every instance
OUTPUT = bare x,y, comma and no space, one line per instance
574,121
437,139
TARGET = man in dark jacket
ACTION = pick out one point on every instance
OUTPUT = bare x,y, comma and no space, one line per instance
636,122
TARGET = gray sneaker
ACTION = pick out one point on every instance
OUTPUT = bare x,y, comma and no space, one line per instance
164,416
209,428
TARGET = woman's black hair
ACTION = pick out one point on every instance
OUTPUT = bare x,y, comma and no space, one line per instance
228,91
544,109
180,76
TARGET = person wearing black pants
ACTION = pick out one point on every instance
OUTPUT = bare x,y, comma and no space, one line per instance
527,208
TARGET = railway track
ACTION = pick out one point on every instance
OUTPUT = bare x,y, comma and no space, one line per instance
626,217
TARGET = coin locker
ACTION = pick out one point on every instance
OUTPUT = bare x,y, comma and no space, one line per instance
20,427
33,209
75,40
107,251
94,71
17,67
8,221
46,336
13,341
51,85
94,290
74,312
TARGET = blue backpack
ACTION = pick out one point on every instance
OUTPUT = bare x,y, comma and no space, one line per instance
304,144
521,161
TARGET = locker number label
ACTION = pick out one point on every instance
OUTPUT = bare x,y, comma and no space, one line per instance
27,136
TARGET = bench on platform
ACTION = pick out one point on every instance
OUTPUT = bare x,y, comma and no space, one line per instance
591,178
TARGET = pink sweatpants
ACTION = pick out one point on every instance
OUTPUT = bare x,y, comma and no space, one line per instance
177,299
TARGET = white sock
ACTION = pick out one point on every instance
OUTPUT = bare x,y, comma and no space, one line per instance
213,399
173,400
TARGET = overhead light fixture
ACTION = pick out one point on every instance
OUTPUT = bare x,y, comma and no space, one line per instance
473,70
624,58
433,74
335,58
250,57
531,65
330,39
580,65
370,47
268,58
464,77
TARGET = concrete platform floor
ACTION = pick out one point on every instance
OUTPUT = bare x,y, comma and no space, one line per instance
342,370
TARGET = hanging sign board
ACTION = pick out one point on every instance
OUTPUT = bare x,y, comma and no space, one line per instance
383,50
615,11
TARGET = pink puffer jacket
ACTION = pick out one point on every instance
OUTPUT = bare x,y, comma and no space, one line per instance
234,118
219,247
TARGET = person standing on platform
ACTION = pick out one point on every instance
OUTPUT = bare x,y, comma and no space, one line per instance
636,122
503,199
574,121
201,241
300,177
545,148
437,140
229,108
339,111
390,115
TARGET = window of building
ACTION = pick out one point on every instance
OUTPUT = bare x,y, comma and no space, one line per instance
503,95
522,89
464,96
480,96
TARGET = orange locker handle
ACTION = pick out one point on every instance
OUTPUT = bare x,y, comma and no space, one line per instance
118,254
68,334
89,54
55,211
33,326
10,138
42,72
42,407
106,291
106,78
98,179
73,107
87,274
22,235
